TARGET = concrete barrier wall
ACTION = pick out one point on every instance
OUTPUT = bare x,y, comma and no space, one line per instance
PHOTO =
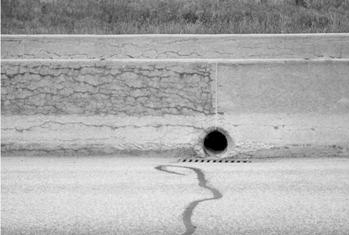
272,99
218,46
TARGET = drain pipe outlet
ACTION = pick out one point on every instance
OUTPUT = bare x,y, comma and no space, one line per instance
214,142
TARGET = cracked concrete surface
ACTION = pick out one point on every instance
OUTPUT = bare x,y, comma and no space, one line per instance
106,88
255,135
88,135
275,94
175,46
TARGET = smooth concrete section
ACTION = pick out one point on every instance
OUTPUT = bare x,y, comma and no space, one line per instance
175,46
126,195
305,87
275,109
259,135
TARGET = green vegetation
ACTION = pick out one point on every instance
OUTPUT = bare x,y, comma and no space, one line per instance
173,16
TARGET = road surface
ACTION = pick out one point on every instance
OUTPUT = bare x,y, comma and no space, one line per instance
139,195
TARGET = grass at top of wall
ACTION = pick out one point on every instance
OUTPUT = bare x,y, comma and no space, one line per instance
173,16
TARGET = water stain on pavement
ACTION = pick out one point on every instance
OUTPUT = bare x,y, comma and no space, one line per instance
188,212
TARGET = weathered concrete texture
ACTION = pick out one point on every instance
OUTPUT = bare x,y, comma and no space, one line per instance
175,46
254,135
106,88
284,87
285,108
89,135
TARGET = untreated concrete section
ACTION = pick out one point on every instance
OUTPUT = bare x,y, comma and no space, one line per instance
99,135
188,212
106,88
270,104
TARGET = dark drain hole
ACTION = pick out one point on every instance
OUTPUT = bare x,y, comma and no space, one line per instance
215,142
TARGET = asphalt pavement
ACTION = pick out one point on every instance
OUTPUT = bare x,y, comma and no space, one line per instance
148,195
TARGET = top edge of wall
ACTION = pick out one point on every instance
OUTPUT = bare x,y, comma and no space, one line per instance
177,35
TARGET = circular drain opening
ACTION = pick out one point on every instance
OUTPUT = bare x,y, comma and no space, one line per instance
215,142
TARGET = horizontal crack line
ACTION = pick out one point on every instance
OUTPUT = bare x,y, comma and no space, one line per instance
44,126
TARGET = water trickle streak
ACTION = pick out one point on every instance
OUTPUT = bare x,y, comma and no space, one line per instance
188,212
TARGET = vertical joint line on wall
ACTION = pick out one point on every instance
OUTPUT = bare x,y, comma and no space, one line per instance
216,98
